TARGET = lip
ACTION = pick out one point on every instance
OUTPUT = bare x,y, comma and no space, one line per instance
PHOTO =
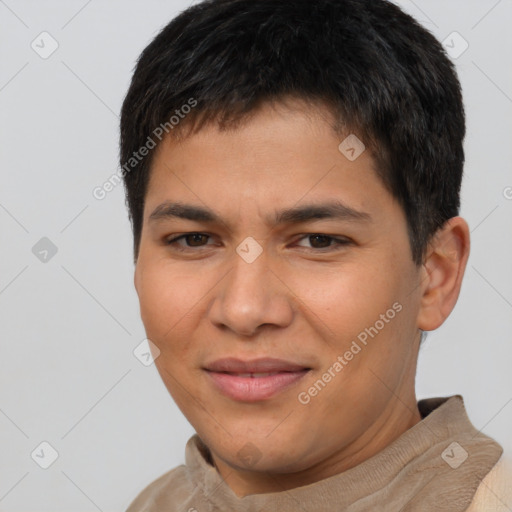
230,377
262,364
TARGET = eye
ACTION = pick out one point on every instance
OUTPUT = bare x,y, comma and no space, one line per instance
321,241
318,242
191,240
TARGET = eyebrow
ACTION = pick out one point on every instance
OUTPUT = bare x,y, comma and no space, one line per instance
334,210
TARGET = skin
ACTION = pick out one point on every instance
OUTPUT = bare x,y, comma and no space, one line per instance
304,300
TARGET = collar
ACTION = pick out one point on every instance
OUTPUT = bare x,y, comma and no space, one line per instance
422,470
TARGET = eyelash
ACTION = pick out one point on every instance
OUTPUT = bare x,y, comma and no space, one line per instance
338,241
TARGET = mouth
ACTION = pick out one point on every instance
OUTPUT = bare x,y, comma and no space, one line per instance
252,381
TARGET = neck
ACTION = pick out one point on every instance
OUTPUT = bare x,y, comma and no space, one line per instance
400,416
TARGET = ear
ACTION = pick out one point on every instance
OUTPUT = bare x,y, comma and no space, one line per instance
442,273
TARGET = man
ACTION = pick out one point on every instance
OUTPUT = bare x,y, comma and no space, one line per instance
293,180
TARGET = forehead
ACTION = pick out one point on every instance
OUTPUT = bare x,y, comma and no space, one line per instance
280,155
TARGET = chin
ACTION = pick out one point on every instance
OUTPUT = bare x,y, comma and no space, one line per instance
261,455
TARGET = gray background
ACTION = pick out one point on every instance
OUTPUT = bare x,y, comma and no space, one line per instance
69,325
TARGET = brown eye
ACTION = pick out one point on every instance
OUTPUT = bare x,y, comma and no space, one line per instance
195,239
188,240
320,241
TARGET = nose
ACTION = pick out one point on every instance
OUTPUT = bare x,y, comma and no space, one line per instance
250,296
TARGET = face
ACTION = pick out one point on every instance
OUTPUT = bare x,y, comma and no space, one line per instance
281,248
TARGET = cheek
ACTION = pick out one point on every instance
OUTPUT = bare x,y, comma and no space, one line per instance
168,298
349,298
348,308
170,302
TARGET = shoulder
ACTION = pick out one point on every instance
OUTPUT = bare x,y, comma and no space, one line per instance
494,494
170,489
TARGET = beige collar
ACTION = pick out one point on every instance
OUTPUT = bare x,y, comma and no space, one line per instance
420,471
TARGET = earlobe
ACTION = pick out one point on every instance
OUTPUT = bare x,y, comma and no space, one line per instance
442,273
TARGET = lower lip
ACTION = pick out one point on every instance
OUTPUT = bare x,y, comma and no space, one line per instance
252,389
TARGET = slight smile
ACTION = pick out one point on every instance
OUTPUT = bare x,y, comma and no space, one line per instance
254,380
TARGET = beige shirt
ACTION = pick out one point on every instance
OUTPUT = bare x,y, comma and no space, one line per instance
441,464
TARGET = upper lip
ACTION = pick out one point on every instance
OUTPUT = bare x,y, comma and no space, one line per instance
263,365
